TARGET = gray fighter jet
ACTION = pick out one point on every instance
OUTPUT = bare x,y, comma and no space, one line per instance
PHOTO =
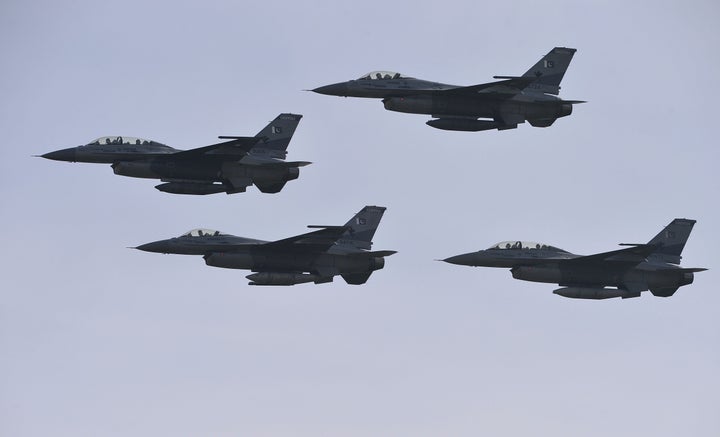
230,166
653,266
316,256
503,104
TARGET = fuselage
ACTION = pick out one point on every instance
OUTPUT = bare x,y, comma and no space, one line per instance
197,174
526,106
233,252
551,265
646,275
500,105
456,110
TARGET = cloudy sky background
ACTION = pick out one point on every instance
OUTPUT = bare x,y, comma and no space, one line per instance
97,339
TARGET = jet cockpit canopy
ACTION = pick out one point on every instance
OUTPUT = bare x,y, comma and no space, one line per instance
524,245
203,233
383,75
123,140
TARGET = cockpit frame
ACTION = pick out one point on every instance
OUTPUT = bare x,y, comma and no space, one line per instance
200,232
120,139
382,75
524,245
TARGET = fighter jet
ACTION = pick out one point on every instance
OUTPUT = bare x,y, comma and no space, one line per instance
502,104
316,256
654,266
230,166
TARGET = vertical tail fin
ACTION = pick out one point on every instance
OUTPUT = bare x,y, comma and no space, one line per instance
276,136
362,227
671,241
550,70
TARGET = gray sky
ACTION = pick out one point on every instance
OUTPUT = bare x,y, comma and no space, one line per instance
96,339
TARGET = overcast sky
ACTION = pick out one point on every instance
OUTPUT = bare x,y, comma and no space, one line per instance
97,339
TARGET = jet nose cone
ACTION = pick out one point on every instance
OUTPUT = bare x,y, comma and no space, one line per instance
61,155
336,89
466,259
155,246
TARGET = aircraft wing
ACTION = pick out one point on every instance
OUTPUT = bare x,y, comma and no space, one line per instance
316,241
629,257
375,253
235,149
273,162
286,164
510,86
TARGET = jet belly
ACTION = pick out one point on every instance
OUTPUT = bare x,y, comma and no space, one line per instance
639,278
323,265
168,169
564,275
635,279
510,111
285,262
439,105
